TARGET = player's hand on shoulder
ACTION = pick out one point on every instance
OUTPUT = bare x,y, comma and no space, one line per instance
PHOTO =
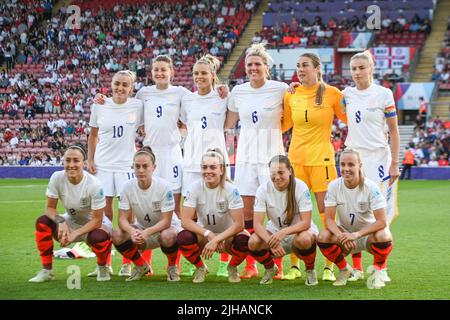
292,86
223,91
100,99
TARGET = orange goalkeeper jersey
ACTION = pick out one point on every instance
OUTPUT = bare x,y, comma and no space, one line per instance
312,124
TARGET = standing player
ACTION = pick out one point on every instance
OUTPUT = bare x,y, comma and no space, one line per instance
360,208
82,197
217,205
112,141
287,202
204,114
150,200
310,112
370,111
258,104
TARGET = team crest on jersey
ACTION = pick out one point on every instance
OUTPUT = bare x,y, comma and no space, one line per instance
84,202
156,205
131,119
363,206
221,206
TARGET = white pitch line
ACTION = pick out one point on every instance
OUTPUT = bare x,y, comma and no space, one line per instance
27,186
21,201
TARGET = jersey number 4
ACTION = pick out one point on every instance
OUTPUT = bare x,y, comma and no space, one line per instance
147,218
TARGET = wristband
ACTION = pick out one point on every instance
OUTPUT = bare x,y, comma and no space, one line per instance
207,232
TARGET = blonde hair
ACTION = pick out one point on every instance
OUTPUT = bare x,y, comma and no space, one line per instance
316,63
214,65
259,50
365,55
361,174
129,74
218,153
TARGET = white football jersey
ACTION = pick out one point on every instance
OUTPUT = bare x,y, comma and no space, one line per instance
204,117
148,205
367,111
354,207
260,112
161,114
78,200
213,206
117,126
273,202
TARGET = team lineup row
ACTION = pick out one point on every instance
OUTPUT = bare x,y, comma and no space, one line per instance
265,108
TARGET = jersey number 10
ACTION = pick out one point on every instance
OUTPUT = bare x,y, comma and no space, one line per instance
117,131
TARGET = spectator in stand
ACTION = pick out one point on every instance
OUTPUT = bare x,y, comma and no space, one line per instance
408,162
443,160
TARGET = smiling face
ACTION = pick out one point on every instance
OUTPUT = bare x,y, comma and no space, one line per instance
307,73
256,70
362,73
121,87
161,74
350,167
203,77
212,171
280,175
73,164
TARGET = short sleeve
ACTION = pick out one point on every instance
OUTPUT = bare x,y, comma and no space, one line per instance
260,200
305,203
286,122
139,94
389,104
93,119
339,105
124,201
331,195
168,203
190,199
97,197
183,112
52,188
141,112
232,101
234,199
376,198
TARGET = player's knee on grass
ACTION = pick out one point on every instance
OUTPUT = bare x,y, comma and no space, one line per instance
186,238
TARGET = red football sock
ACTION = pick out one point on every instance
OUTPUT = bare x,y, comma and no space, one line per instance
308,256
44,240
264,257
224,257
130,251
357,261
125,260
147,255
171,254
333,253
100,243
279,263
239,248
381,251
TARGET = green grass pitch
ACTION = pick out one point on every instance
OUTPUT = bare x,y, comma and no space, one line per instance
418,265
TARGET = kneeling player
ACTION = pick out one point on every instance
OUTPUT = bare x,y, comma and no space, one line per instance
362,225
151,201
83,199
217,205
287,202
